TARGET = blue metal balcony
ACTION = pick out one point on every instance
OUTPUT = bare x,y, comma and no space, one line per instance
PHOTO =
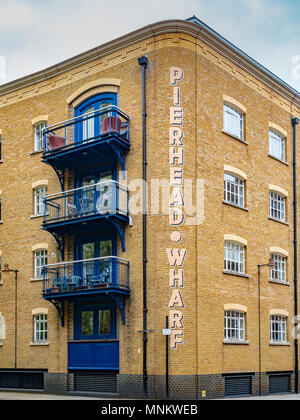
87,139
97,277
87,208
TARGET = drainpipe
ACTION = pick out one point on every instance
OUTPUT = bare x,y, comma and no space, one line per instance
143,62
295,122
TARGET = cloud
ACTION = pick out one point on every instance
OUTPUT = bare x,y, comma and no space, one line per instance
36,33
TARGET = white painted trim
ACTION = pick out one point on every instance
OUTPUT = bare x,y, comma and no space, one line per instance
40,183
40,247
279,312
42,118
234,171
236,104
40,311
279,190
280,251
278,129
234,238
235,307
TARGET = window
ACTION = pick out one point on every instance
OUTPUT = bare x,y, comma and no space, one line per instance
40,260
233,122
276,145
38,136
234,326
40,328
278,329
277,206
278,273
95,322
234,190
39,195
234,258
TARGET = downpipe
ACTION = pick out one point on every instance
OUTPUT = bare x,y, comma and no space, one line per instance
143,62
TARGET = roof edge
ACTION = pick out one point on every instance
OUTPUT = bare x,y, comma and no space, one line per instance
192,27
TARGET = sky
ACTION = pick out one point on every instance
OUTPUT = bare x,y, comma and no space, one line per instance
36,34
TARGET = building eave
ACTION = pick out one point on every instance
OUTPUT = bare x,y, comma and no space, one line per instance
198,30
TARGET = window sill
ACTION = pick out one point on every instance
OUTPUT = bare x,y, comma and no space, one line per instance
236,343
39,344
274,344
1,161
234,137
279,282
279,160
36,279
37,216
1,222
36,152
232,273
279,221
236,206
1,344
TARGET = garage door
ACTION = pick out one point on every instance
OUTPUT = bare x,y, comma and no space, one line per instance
22,380
238,386
99,383
279,384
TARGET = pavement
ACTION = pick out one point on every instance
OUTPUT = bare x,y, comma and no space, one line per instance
286,397
29,396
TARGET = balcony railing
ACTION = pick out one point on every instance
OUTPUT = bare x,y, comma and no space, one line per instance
105,198
87,128
93,275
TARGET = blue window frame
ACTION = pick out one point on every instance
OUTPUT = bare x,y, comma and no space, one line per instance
96,322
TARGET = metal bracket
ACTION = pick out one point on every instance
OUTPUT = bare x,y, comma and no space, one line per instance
61,176
121,302
122,158
60,307
121,230
61,244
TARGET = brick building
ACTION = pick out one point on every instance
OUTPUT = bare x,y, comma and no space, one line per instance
100,258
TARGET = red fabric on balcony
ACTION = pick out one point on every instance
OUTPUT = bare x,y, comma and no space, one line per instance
111,125
55,142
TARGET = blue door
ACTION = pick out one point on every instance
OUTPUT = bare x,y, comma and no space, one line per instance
89,128
95,346
97,272
98,193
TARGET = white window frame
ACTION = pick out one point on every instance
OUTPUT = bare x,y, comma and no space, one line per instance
277,206
278,273
278,329
38,135
40,322
234,190
235,326
234,257
277,146
39,195
233,121
40,260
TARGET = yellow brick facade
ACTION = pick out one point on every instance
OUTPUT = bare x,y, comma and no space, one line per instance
208,77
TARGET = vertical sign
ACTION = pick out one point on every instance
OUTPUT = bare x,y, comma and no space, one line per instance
176,256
